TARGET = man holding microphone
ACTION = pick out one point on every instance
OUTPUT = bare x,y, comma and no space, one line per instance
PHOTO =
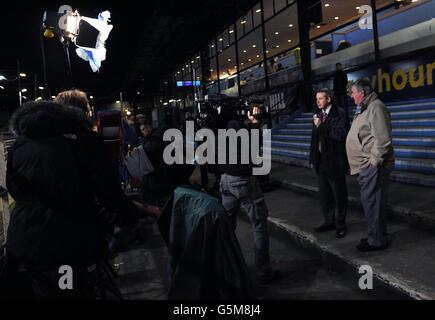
328,158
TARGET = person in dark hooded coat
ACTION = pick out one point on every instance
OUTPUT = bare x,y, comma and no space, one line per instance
60,176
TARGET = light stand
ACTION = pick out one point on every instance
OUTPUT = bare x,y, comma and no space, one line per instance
65,43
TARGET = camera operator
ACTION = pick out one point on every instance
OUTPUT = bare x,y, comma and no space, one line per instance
241,190
60,176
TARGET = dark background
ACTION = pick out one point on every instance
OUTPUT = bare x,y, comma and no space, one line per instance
149,40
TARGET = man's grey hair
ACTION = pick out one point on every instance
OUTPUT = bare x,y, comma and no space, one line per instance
364,85
326,91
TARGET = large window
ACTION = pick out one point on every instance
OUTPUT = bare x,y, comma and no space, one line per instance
339,12
227,62
250,49
213,70
211,49
401,17
282,31
256,11
268,9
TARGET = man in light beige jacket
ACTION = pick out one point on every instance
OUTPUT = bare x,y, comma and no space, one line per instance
370,153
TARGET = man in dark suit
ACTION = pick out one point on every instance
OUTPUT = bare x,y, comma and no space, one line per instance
328,158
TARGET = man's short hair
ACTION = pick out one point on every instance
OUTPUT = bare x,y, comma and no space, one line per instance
338,64
75,98
364,85
326,91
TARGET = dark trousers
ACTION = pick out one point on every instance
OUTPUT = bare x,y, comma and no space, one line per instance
374,184
333,195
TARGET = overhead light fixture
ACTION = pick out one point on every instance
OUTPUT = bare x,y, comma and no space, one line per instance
241,63
91,97
267,51
229,59
258,56
318,27
249,60
211,69
53,97
221,39
277,46
244,21
2,88
258,10
290,25
198,57
117,101
39,98
336,18
231,31
244,51
254,46
41,88
357,8
326,5
24,97
289,41
2,78
275,33
23,75
24,90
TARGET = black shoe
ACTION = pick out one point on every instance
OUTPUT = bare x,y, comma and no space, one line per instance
324,227
265,281
365,247
340,233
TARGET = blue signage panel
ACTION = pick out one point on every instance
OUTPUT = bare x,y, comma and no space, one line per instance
187,83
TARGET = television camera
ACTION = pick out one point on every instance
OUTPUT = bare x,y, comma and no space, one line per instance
218,110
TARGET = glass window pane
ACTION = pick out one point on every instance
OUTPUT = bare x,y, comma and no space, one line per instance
337,13
282,31
268,9
212,49
240,27
257,15
403,16
231,34
248,19
220,41
250,49
213,70
252,79
279,5
227,62
226,37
